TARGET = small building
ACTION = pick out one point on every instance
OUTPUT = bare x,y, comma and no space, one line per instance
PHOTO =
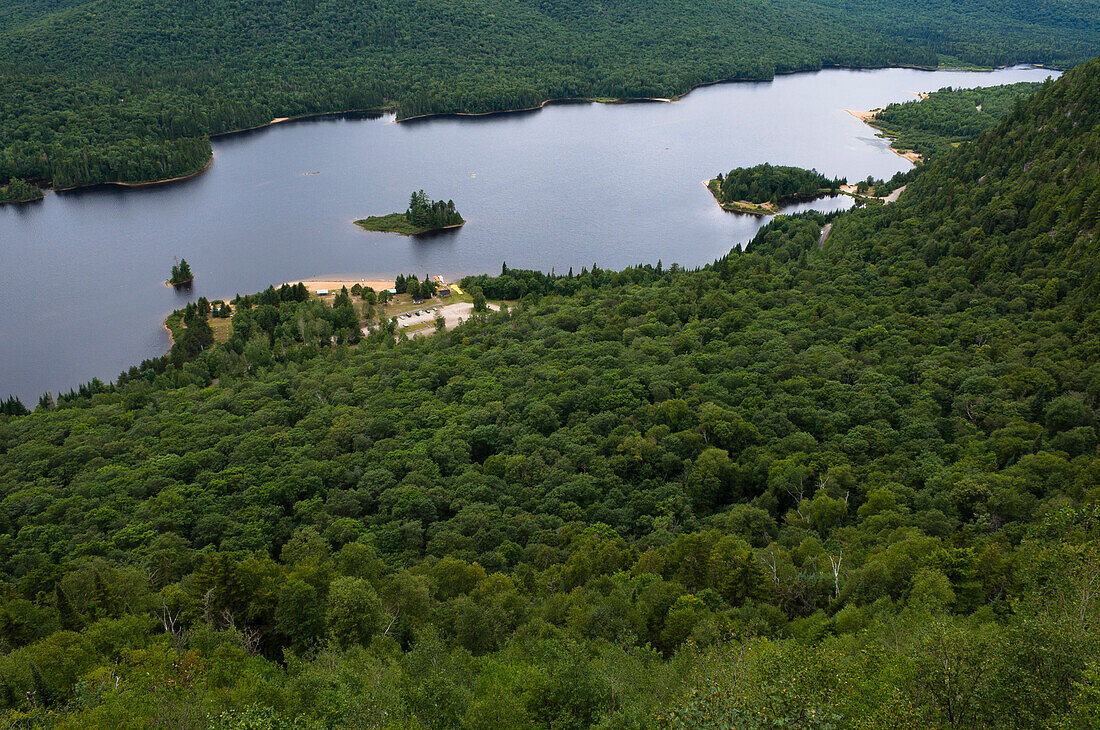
418,300
444,292
322,292
392,291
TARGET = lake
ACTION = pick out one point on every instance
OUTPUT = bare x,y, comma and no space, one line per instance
81,273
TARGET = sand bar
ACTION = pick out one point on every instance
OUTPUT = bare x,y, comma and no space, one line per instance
863,116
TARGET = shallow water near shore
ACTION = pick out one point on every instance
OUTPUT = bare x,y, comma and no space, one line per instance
81,272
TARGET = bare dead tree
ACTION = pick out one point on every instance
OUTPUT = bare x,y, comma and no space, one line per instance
249,637
172,626
835,563
772,564
208,607
798,498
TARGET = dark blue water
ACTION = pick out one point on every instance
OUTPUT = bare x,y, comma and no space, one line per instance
81,273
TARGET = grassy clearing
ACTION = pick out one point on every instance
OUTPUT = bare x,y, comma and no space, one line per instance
396,223
223,328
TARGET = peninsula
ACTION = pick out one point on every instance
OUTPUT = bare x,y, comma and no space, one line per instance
19,191
760,190
422,216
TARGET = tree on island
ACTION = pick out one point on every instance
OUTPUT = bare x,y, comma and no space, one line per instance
181,273
773,184
428,213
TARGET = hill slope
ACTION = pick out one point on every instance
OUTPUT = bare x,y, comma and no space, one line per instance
853,486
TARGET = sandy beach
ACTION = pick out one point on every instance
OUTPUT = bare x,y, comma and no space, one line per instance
863,116
869,116
333,285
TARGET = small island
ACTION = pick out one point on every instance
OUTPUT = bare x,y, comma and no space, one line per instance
423,216
181,274
760,190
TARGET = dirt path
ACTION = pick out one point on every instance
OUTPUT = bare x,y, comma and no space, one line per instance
851,190
894,195
825,231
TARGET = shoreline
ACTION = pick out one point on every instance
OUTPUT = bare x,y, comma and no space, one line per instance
391,109
562,100
35,199
868,118
334,285
147,184
761,210
422,232
373,111
850,190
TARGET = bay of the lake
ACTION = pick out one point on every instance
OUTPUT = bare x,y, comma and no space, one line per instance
81,273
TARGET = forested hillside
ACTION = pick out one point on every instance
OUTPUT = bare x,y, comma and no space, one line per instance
949,116
854,486
128,90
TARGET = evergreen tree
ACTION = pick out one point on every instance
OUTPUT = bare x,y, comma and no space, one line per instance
43,694
13,407
181,273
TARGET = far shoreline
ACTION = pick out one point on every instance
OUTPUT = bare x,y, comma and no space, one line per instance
146,184
391,109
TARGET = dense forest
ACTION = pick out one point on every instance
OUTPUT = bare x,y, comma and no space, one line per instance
949,116
773,184
130,90
853,486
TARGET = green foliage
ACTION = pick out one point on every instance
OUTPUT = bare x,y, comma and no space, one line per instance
390,223
181,273
98,91
851,486
19,191
423,215
768,183
938,123
354,611
429,214
13,407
